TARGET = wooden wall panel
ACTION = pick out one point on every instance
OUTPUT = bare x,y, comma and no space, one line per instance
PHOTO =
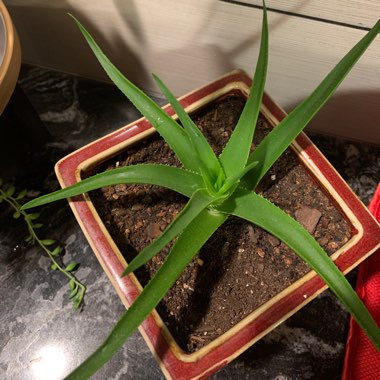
190,42
359,13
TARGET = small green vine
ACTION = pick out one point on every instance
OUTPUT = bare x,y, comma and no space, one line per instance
76,288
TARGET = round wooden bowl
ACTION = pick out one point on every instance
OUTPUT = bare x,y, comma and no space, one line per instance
10,57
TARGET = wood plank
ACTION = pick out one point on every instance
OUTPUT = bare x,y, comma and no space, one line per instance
194,42
359,13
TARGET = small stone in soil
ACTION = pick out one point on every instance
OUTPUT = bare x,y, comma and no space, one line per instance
333,245
253,235
288,261
308,217
273,241
260,252
138,225
153,230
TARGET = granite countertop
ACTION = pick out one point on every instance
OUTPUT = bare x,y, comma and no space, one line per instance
41,336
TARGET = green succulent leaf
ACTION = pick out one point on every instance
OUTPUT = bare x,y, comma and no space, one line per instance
72,266
54,266
235,154
197,203
278,140
47,242
74,292
258,210
10,191
171,131
56,251
21,194
32,216
235,178
209,164
185,248
180,180
77,300
16,214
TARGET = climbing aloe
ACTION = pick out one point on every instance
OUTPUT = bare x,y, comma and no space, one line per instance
217,187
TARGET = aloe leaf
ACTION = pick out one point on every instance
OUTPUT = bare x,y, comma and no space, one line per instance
209,163
197,203
180,180
278,140
236,152
234,179
171,131
185,248
258,210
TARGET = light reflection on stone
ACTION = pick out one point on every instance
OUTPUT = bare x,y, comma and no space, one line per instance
49,363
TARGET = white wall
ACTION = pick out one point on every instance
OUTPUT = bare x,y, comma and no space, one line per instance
189,42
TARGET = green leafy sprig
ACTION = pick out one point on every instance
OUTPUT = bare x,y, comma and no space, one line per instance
217,187
50,247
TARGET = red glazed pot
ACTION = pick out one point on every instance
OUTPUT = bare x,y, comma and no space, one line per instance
175,363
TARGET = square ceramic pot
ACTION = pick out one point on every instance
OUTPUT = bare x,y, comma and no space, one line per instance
175,363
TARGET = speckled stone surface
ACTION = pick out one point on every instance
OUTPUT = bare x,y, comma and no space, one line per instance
41,337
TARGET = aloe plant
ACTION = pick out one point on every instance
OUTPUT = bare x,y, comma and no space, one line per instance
217,187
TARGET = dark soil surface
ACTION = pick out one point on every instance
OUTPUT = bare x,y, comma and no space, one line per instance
241,266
